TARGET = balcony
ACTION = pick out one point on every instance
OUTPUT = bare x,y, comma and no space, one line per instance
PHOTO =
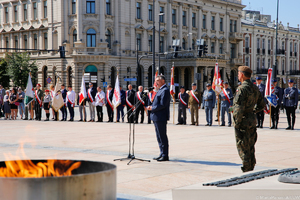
236,61
263,51
236,37
280,52
294,72
247,50
261,71
258,50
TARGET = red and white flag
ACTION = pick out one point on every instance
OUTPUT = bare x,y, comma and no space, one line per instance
269,86
82,94
217,83
172,86
117,93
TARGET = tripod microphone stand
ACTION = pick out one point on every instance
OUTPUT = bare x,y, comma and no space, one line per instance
131,156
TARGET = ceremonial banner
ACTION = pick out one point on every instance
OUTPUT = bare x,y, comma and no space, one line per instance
58,100
172,86
82,94
270,90
217,83
226,95
117,93
29,95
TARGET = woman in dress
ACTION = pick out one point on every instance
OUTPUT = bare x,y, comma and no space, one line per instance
13,98
6,106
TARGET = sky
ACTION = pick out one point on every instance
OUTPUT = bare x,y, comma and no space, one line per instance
289,10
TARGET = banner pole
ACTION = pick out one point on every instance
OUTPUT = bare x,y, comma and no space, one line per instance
173,110
270,115
218,110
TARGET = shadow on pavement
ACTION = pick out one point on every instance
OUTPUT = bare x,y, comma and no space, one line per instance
207,162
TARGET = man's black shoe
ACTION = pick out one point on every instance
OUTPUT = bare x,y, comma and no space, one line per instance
216,120
163,159
272,127
229,125
25,119
222,125
209,124
80,120
292,128
288,128
156,158
206,124
257,126
179,124
261,126
62,120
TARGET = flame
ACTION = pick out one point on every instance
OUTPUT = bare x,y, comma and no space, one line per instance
28,169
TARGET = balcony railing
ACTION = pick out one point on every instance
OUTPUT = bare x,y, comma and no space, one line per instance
236,61
261,71
294,72
233,36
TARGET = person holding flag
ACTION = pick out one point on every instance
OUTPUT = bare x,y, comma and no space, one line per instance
91,100
275,110
226,98
39,94
217,87
29,96
100,98
108,103
82,100
57,101
182,106
120,108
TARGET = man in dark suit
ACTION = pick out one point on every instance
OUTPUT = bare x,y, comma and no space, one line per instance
160,114
129,97
64,108
151,95
120,108
182,106
141,98
108,103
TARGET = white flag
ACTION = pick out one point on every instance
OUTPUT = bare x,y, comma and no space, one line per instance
117,93
29,95
82,94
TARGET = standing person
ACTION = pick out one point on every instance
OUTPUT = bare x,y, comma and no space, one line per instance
2,94
226,102
6,106
140,97
260,115
290,102
47,102
120,108
81,109
91,93
70,99
39,102
149,102
160,114
247,101
182,106
64,107
209,101
275,111
52,93
108,103
100,98
13,98
194,104
21,102
129,97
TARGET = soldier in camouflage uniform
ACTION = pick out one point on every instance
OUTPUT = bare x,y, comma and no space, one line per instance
247,102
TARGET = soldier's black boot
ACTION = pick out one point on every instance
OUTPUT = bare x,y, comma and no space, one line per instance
273,124
276,124
258,125
289,123
293,123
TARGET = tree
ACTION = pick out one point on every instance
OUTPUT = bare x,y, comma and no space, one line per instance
19,66
4,78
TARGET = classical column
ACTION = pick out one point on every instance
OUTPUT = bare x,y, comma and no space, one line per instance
180,24
79,20
190,15
102,19
199,17
116,26
169,24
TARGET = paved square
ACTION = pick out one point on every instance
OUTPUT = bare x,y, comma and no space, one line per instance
197,154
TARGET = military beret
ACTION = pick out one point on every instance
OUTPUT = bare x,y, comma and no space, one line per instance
194,84
182,87
208,84
46,90
225,82
291,81
245,69
258,78
274,81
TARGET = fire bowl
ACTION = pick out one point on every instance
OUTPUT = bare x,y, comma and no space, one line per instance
91,181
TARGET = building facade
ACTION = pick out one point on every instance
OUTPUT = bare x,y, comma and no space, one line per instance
260,48
103,38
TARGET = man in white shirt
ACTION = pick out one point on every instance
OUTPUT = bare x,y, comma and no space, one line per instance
100,98
70,100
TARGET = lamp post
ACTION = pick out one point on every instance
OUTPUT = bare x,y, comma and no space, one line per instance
153,44
161,14
275,67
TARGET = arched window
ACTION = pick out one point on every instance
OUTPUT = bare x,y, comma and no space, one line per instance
73,6
183,43
74,37
91,38
108,38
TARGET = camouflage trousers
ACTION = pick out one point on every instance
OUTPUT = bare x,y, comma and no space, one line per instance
245,141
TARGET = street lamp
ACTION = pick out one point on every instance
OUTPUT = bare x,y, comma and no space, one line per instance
161,14
276,62
153,44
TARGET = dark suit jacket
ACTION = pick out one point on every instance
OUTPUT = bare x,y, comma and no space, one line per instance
131,94
111,94
64,94
93,92
123,101
143,97
161,105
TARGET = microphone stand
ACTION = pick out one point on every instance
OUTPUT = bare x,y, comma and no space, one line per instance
130,156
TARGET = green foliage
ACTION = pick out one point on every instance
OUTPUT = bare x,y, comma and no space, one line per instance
19,66
4,78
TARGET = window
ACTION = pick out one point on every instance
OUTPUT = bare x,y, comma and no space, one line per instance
263,43
108,38
183,43
221,24
213,23
269,63
139,42
6,43
193,44
25,42
234,25
73,7
108,7
90,6
16,13
74,37
282,46
16,42
138,10
258,43
282,65
295,47
232,50
247,61
291,65
150,12
161,46
221,48
45,9
295,64
150,43
230,26
247,42
184,18
35,41
25,11
269,44
45,40
258,63
194,19
212,47
173,16
291,47
161,17
34,10
91,38
263,63
6,15
204,22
